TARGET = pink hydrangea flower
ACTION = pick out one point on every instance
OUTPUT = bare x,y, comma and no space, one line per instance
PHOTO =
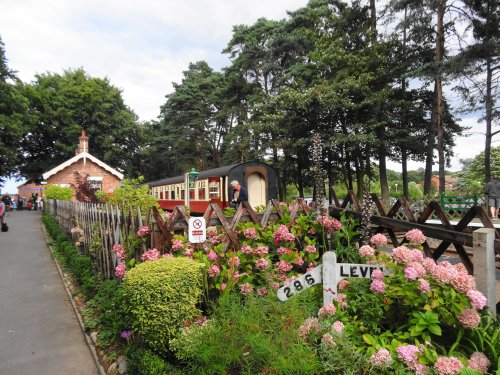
330,225
327,310
327,340
119,250
377,286
415,237
167,255
382,358
378,240
246,249
151,254
283,266
444,272
429,264
275,285
120,270
366,251
424,286
402,255
283,234
419,268
377,275
236,275
213,270
188,253
343,284
477,299
168,215
463,282
177,245
212,256
338,326
469,318
234,259
262,292
479,362
283,250
311,249
223,286
261,250
246,288
311,324
250,233
143,231
409,354
410,273
448,366
261,263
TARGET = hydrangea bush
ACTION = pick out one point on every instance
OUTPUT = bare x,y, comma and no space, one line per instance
421,317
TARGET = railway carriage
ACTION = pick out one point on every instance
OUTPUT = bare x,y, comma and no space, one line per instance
213,185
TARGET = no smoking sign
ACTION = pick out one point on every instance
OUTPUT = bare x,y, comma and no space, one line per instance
197,230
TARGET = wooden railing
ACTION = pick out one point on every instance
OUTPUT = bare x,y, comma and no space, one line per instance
457,235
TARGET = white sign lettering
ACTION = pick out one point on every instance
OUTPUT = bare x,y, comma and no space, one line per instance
197,230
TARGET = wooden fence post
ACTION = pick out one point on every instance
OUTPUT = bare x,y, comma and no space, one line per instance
484,264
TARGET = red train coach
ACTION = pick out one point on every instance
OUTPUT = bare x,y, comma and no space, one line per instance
213,186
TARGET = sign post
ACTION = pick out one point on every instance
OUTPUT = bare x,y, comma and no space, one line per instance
329,273
197,228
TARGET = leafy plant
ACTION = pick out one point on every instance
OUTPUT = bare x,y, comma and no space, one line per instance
58,192
161,296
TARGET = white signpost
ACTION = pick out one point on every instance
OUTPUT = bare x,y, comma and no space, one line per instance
329,273
197,230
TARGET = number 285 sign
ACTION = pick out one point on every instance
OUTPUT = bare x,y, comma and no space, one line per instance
329,273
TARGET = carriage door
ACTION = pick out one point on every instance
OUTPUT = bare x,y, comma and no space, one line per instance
256,184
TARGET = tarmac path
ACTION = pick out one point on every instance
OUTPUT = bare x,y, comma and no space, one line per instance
39,332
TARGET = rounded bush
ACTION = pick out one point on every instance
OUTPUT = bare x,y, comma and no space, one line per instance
161,296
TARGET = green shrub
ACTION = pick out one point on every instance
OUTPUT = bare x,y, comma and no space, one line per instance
251,336
145,362
58,192
161,296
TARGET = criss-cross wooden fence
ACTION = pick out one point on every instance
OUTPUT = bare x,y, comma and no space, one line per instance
108,225
400,217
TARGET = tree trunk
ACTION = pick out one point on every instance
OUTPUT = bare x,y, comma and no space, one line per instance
488,119
429,159
404,172
438,95
300,180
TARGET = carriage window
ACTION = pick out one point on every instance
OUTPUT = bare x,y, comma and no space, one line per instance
172,195
156,194
214,189
161,194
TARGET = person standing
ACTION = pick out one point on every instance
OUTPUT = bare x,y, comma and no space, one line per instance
492,190
240,193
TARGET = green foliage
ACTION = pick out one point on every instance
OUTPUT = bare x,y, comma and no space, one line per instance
58,192
133,193
72,102
474,174
344,358
79,265
145,362
107,313
344,241
249,336
161,296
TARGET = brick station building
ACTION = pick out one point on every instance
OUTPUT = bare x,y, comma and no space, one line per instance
100,174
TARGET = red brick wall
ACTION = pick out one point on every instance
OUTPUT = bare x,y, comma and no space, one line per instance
66,176
25,190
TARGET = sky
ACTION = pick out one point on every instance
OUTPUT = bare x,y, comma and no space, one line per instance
142,47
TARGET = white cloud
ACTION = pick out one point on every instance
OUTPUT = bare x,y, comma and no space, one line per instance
142,47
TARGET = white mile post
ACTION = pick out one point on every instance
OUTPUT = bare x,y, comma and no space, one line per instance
329,277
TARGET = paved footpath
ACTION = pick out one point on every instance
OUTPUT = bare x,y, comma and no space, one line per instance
39,332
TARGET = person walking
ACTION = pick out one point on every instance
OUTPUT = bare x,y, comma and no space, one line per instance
492,190
240,193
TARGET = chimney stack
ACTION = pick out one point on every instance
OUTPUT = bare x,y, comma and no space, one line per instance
83,145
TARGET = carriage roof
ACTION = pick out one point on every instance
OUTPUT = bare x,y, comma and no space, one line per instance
216,172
